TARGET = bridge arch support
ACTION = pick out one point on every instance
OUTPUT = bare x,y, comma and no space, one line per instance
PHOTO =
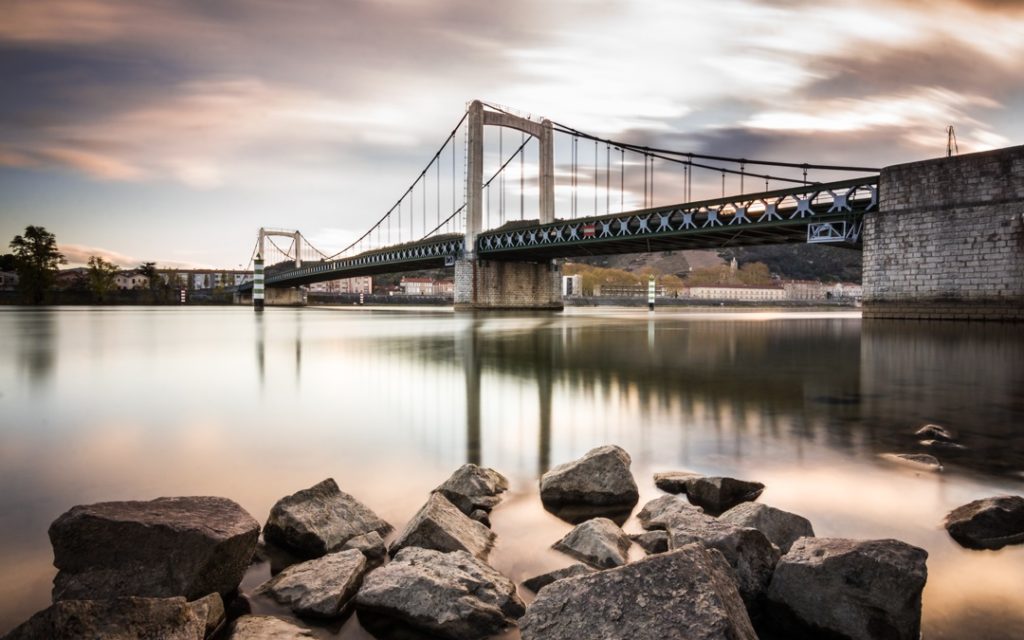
489,284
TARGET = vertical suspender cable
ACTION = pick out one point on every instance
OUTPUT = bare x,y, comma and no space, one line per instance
594,212
645,181
607,179
501,178
743,168
652,181
522,173
622,179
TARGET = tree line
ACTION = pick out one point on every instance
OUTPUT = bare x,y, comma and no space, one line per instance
36,259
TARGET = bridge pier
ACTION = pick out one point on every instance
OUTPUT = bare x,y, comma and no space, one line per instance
947,242
285,297
497,285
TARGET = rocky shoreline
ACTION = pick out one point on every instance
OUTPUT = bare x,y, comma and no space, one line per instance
719,565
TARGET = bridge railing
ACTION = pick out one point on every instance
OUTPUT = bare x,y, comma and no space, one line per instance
784,206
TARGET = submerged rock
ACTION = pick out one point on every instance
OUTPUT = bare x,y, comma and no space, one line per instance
537,583
598,542
659,513
319,588
942,445
990,523
322,518
719,494
451,595
918,461
935,432
267,628
115,619
782,528
849,589
749,553
688,593
210,609
165,547
599,481
674,481
439,525
472,488
652,541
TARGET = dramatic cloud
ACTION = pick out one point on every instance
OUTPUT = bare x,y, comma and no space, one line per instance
225,116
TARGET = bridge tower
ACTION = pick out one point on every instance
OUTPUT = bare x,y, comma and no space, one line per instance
491,284
285,296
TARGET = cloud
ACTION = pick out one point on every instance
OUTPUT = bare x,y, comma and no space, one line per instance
78,255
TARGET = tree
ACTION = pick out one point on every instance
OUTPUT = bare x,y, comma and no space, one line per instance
36,261
148,269
102,275
8,262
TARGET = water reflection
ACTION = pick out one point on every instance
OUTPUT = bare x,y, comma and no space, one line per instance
150,402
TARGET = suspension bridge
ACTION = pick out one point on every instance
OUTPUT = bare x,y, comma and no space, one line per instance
508,194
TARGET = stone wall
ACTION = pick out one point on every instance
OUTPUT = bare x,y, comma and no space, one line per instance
948,239
490,284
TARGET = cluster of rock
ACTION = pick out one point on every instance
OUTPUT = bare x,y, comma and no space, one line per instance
717,564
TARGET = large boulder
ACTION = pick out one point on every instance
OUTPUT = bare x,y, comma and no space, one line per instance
451,595
598,542
749,553
161,548
473,488
599,483
674,481
371,545
321,587
211,610
659,513
719,494
320,519
267,628
537,583
991,523
115,619
849,589
439,525
782,528
687,593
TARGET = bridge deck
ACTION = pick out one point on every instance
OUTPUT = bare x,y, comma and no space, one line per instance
774,217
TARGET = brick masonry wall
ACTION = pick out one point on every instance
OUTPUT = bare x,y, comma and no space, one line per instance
948,239
490,284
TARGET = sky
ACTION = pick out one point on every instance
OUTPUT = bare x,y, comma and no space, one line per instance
171,131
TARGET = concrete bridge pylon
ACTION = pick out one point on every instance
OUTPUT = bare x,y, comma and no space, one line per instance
489,284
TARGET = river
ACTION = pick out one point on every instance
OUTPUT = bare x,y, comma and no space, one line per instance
135,403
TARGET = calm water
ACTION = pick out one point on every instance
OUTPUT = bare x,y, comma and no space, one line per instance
135,403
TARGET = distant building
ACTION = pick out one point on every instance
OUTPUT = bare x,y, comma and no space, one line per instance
8,281
572,286
126,280
805,289
737,292
444,287
627,290
417,286
72,278
363,284
200,279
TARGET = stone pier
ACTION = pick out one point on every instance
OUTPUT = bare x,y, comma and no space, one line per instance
948,240
493,285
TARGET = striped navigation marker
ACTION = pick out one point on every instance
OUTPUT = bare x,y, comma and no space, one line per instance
257,284
650,293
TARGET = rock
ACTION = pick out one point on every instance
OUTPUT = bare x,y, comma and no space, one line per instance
452,595
598,542
918,461
315,521
660,512
210,609
686,594
371,545
935,432
114,619
473,488
165,547
991,523
441,526
673,481
942,445
267,628
782,528
318,588
717,494
537,583
482,517
849,589
747,551
652,541
600,483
